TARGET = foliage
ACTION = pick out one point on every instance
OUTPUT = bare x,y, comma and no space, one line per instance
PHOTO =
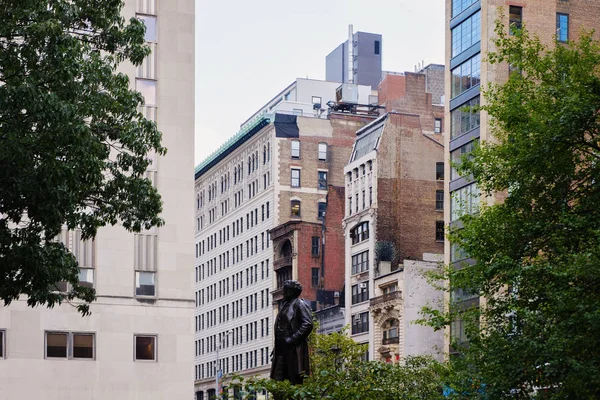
339,372
537,249
73,144
385,251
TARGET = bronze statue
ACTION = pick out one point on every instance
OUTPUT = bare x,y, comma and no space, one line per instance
292,327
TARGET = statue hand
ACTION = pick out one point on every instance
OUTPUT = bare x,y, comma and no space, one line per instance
289,341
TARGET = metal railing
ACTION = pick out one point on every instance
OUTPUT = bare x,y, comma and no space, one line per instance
385,298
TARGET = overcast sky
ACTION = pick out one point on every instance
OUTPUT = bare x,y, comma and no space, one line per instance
249,50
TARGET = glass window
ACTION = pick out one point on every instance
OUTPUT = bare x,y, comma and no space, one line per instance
360,292
145,348
322,151
515,18
314,277
459,6
295,178
316,100
439,200
150,23
83,345
562,27
390,331
360,323
2,345
56,344
464,201
295,145
439,171
439,231
315,246
437,125
322,209
466,75
295,208
360,232
322,180
466,34
464,118
360,262
86,277
457,253
147,88
377,47
145,283
457,156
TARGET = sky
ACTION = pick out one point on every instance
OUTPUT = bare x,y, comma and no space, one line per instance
247,51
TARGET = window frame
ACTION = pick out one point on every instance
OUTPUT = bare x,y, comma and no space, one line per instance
360,295
2,344
440,233
321,151
437,129
155,350
363,324
299,178
143,17
322,182
299,204
359,262
515,23
313,276
316,246
295,154
439,173
558,27
439,200
360,232
70,345
154,91
135,280
321,212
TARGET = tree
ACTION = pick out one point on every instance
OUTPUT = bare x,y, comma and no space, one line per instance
73,145
537,248
339,372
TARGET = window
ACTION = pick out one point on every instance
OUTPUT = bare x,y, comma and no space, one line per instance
390,331
315,246
150,24
322,151
515,18
145,348
439,231
360,292
295,147
439,200
389,289
466,34
321,210
71,345
464,118
147,88
464,201
377,47
145,283
86,277
360,323
360,232
437,125
350,205
314,277
316,100
360,262
295,178
562,27
295,208
2,344
439,171
459,6
457,253
457,155
322,180
466,75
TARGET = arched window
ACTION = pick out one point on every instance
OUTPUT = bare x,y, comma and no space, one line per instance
360,232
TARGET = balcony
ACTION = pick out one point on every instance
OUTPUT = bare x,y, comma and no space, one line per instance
386,298
282,262
392,340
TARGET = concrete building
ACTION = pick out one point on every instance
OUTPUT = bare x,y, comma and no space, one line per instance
470,29
357,60
265,201
394,205
136,344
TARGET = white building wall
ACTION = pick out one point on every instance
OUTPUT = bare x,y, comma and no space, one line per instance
118,315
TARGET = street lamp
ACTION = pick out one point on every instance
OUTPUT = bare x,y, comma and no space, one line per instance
217,388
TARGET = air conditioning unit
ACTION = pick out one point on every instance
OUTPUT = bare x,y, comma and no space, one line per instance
363,285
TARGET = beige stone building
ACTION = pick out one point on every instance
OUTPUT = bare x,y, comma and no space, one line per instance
470,29
138,342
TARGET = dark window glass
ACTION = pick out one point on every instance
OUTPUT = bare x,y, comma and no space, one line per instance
377,48
83,345
314,277
145,347
360,262
322,180
315,246
464,118
56,344
439,171
439,200
322,209
360,232
1,344
466,75
144,283
360,323
515,18
360,292
439,231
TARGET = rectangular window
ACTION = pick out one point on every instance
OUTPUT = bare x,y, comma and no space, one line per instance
56,344
315,246
464,201
360,323
2,344
437,125
439,200
459,6
360,232
466,75
86,277
377,48
360,292
439,171
150,24
562,27
322,180
295,146
295,178
515,18
145,284
322,151
439,231
145,348
322,209
464,118
466,34
74,345
147,88
316,100
360,262
295,208
457,156
83,345
314,277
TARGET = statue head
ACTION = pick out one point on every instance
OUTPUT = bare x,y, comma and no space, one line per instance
291,290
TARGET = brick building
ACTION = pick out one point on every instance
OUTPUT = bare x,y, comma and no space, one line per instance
470,29
394,196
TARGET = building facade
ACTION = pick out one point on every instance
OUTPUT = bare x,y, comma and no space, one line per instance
470,29
136,342
394,216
